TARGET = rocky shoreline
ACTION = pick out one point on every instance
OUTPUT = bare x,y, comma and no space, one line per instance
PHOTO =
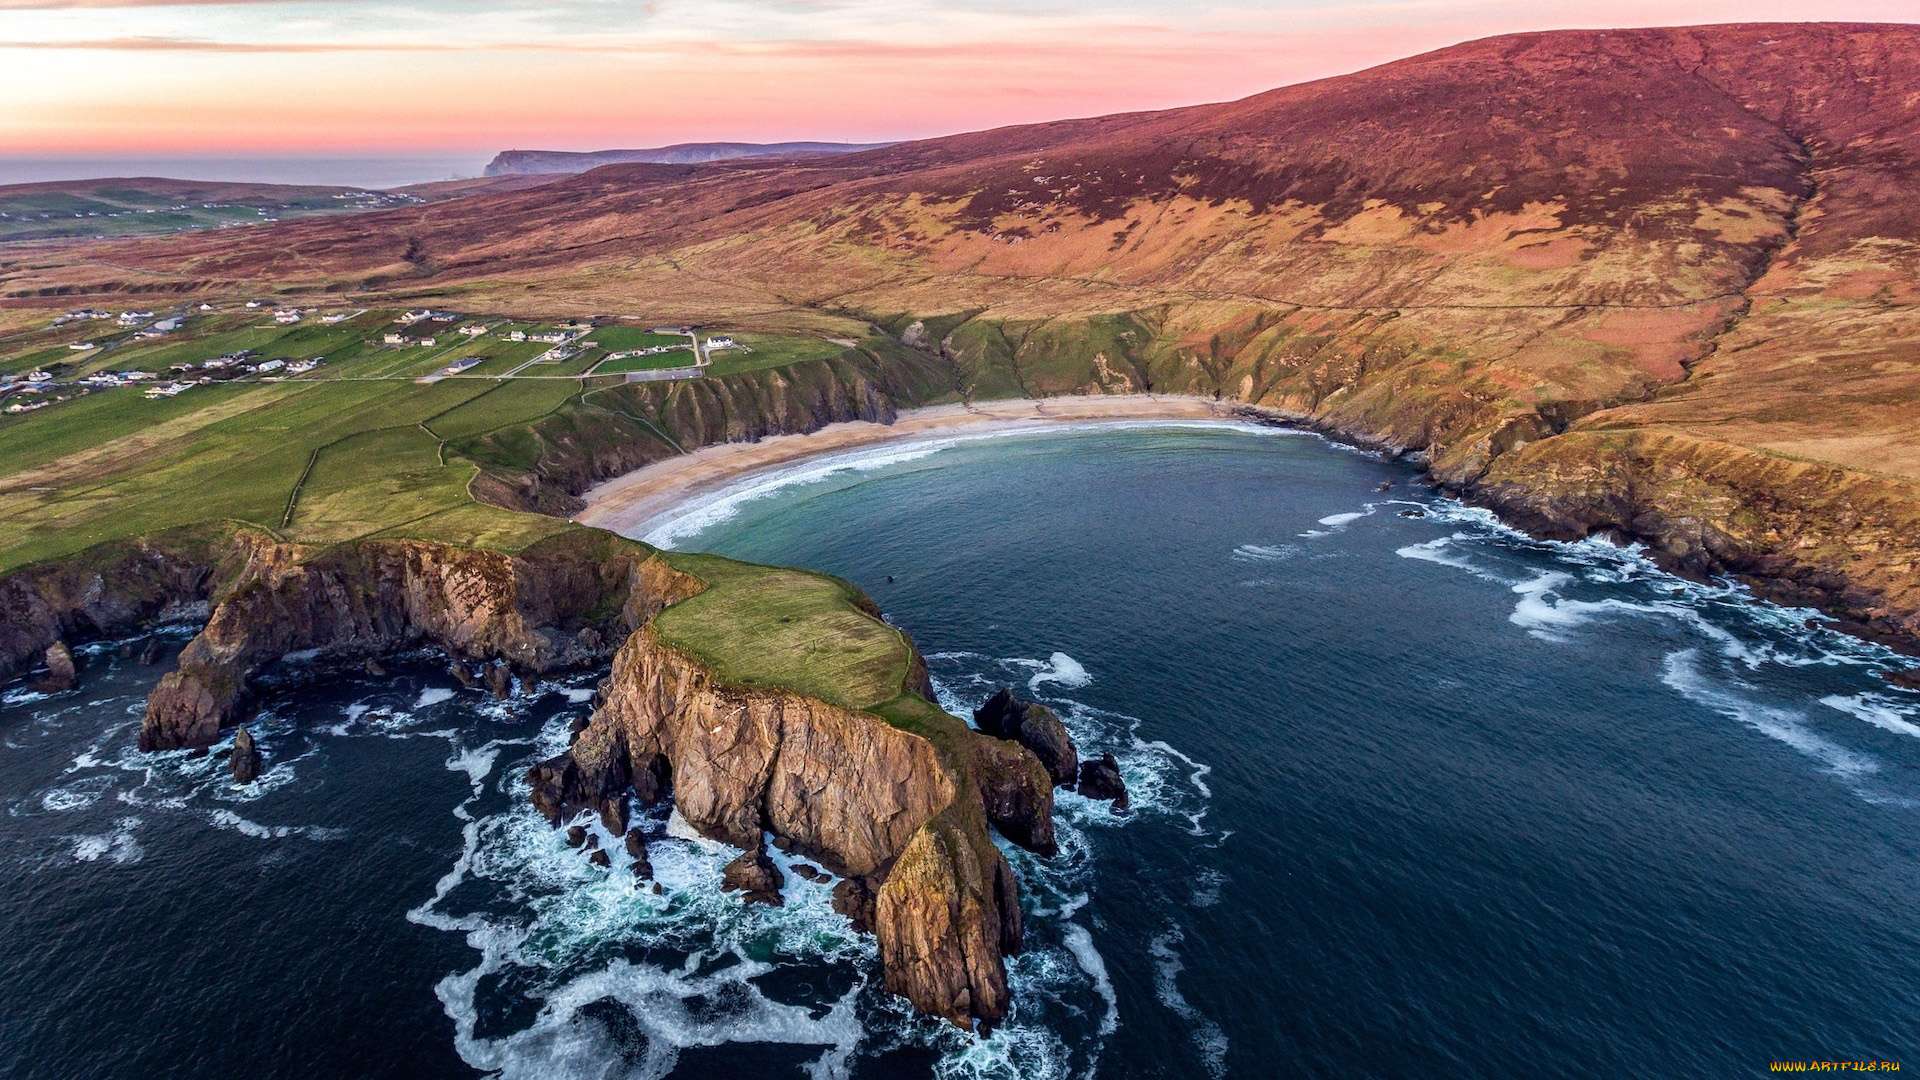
899,818
898,811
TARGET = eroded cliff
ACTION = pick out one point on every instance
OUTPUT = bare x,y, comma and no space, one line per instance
564,601
896,797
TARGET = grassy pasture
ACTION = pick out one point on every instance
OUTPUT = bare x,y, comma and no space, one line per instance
760,626
765,351
679,358
623,338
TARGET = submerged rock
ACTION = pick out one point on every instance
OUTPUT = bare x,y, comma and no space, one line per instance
600,858
245,761
807,873
60,674
150,655
374,668
461,673
754,874
576,835
1101,780
1906,678
1033,726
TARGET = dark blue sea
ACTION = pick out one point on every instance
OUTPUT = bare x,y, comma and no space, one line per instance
1413,795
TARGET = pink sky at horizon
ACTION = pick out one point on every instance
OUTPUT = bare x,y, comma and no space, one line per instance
317,77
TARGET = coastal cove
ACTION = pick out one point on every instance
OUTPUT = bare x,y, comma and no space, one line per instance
1405,781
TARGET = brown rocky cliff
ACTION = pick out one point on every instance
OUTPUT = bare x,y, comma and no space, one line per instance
552,605
1800,532
113,589
845,788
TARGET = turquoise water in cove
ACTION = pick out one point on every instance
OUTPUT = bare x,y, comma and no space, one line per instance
1414,795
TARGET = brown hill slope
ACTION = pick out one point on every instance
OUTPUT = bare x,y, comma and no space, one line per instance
1660,282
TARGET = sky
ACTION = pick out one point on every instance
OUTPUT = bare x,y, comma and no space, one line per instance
444,85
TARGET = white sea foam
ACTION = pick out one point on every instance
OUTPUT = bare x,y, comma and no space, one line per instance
1207,1037
1338,521
693,518
1682,672
1062,670
1876,709
1442,552
1080,943
578,694
1266,552
76,796
433,695
118,846
227,819
565,912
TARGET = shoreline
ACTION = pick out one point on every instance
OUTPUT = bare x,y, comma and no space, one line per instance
634,503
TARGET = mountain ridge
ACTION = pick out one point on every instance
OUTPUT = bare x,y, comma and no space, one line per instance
534,162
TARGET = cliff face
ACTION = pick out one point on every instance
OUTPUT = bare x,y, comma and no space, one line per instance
108,591
544,466
748,761
563,601
1799,532
865,798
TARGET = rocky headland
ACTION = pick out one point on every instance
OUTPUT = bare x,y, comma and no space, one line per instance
896,799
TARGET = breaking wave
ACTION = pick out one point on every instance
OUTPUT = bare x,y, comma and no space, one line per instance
696,516
1724,635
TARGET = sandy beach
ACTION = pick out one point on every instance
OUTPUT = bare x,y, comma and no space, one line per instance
632,503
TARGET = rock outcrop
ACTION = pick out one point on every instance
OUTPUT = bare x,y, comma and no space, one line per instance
1033,726
1101,780
754,874
112,589
61,676
902,817
367,599
245,761
1016,793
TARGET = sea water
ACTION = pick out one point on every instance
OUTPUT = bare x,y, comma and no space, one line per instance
1413,795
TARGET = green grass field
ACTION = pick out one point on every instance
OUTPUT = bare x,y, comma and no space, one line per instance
623,338
678,358
765,351
759,626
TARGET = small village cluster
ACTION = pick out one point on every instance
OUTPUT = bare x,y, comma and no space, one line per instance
416,328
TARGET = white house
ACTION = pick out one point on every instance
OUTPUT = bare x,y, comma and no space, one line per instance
428,342
271,365
39,376
473,331
517,335
395,339
82,346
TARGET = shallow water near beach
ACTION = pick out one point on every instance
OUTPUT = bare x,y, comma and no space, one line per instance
1413,795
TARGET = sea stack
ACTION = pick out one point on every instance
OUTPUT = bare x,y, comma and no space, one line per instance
1033,726
60,674
245,761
